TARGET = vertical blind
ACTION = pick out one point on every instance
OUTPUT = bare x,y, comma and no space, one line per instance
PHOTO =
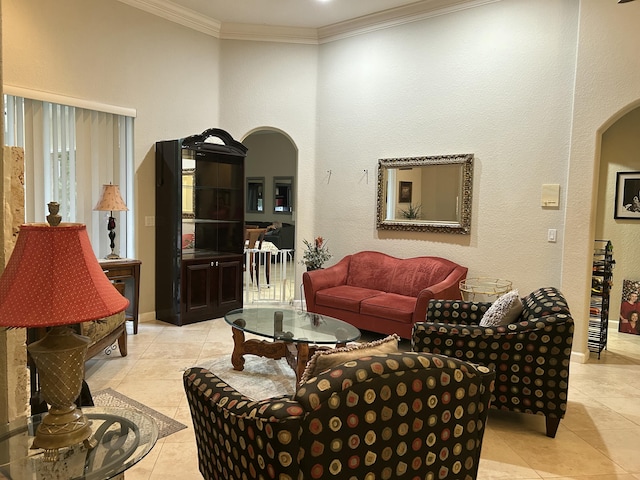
70,152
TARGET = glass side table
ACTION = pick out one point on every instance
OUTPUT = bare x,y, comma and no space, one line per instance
123,438
483,289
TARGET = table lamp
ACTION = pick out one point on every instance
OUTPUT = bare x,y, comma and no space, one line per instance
53,279
111,201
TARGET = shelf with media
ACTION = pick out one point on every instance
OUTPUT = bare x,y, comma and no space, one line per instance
601,282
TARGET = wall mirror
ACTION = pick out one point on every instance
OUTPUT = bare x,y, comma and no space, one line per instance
255,195
282,194
425,194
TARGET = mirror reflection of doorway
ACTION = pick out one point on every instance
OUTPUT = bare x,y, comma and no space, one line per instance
271,203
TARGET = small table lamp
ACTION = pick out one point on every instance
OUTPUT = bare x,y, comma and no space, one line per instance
111,201
53,279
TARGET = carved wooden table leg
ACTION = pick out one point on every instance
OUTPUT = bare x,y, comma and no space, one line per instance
303,358
262,348
237,358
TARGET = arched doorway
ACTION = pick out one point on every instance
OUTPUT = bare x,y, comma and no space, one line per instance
620,143
271,201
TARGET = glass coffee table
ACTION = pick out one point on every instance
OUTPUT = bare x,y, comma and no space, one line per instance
295,335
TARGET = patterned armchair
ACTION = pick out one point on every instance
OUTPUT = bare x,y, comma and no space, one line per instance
530,357
381,416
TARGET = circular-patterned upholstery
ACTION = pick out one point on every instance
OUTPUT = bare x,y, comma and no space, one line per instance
530,357
400,415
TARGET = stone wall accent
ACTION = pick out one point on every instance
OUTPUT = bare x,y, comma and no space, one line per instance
14,375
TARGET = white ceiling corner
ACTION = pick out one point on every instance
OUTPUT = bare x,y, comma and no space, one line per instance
286,28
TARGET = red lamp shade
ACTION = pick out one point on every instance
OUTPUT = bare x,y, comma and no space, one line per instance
53,278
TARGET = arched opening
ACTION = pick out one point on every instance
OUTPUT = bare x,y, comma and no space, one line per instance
619,147
271,202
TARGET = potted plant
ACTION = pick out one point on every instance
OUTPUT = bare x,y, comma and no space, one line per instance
412,212
315,254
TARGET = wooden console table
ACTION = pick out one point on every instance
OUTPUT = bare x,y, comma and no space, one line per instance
123,270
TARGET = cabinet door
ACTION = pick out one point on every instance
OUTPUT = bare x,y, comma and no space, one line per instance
211,287
197,287
229,291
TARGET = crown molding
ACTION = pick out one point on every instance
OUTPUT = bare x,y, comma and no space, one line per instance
313,36
267,33
395,17
177,14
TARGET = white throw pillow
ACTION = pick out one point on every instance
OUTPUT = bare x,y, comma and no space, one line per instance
505,310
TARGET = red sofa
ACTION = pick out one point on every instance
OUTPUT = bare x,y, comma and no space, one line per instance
380,293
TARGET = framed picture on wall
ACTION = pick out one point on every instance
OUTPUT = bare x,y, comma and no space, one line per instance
630,308
405,192
627,195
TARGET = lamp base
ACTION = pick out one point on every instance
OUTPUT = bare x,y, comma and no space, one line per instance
63,427
59,358
113,256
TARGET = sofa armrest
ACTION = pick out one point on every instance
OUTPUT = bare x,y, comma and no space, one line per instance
324,278
220,412
448,289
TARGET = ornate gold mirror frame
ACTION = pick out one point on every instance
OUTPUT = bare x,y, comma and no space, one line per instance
425,194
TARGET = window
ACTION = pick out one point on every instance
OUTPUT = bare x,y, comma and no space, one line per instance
70,152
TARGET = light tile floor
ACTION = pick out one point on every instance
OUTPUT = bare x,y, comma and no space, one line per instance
599,438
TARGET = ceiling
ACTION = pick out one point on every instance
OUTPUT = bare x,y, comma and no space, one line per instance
308,21
290,13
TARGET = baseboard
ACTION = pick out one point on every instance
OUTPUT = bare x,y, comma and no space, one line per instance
579,357
147,317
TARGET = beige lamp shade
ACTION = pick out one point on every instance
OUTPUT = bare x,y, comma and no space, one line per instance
110,200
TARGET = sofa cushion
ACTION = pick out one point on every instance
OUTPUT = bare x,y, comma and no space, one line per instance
371,270
325,359
505,310
391,306
98,329
345,297
411,275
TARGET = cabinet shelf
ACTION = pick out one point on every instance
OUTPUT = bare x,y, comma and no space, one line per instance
601,281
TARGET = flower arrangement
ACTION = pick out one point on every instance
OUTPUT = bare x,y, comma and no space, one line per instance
315,254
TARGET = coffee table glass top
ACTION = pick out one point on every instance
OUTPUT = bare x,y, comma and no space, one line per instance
297,326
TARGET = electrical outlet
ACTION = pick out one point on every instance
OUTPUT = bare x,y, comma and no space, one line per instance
552,235
150,221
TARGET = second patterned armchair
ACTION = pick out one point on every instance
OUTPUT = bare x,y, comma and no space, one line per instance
530,356
395,415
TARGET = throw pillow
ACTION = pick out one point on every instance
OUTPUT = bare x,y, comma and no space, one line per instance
503,311
325,359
